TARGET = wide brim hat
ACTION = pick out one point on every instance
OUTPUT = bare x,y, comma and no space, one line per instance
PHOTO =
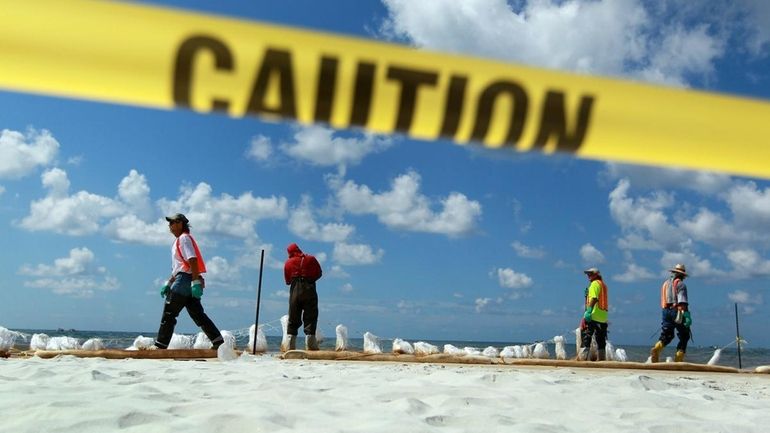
679,269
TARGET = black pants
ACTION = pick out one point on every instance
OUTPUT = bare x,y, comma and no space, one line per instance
303,307
595,328
174,305
668,325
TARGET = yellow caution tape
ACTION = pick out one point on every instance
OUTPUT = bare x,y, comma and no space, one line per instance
164,58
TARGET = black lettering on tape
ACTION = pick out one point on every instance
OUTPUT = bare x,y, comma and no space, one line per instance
183,68
486,105
327,83
410,80
453,108
362,94
275,63
554,122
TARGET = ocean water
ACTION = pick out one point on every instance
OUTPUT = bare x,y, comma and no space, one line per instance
750,357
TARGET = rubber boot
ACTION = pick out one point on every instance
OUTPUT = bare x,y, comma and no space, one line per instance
679,357
602,355
655,352
292,342
583,354
311,343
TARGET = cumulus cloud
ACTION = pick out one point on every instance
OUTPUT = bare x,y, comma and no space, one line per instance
646,177
76,275
633,273
748,301
527,251
510,279
260,148
302,223
356,254
403,207
481,303
608,37
347,288
319,146
591,255
21,154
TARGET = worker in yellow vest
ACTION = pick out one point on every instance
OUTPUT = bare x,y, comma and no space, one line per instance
595,315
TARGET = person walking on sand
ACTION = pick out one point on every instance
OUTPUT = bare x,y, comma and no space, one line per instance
301,271
675,314
184,288
595,315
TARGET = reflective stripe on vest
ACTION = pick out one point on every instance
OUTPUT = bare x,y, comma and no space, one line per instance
602,302
669,292
198,255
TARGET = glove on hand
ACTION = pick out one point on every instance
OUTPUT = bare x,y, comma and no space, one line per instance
197,289
587,315
164,290
687,319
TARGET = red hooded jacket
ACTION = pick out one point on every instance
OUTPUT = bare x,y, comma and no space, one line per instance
300,264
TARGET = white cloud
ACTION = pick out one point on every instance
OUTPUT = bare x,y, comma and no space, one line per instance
224,214
221,273
134,191
318,145
747,262
21,155
481,303
2,189
78,214
748,301
337,271
404,208
634,273
641,176
607,37
696,266
347,288
356,254
758,23
75,275
260,148
510,279
129,228
591,255
527,251
303,224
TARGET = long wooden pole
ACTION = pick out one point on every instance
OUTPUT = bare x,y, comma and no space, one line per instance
259,294
738,336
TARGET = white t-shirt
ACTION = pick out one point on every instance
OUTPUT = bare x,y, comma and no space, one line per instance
186,246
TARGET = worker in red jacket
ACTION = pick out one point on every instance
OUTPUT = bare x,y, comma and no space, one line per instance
301,271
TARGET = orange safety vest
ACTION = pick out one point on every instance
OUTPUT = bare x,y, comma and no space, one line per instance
669,293
602,301
198,255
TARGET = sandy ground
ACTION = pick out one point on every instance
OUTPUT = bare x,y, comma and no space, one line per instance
266,394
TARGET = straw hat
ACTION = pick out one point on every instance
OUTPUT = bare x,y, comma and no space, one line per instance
679,269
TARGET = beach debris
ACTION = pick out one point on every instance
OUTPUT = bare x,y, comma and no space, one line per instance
93,344
202,341
471,351
180,341
38,341
620,355
403,347
452,350
8,338
422,348
609,351
261,341
342,338
507,352
141,343
62,343
526,351
669,359
371,343
540,351
491,352
561,350
715,357
285,340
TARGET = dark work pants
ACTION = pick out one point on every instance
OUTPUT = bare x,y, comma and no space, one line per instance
595,328
174,305
303,307
668,325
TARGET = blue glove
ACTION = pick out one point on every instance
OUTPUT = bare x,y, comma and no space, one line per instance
164,290
687,319
197,289
587,314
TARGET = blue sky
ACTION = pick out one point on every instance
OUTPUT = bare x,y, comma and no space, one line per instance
417,240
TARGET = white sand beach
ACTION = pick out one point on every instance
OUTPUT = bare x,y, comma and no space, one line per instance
266,394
